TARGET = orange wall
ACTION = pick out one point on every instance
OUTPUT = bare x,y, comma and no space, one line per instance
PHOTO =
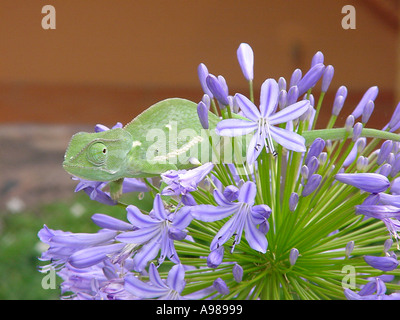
158,44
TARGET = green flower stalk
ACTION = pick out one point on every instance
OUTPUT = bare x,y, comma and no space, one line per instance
286,218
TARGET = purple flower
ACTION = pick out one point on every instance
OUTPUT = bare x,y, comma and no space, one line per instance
182,182
101,127
156,287
376,285
382,263
245,216
156,231
245,57
369,182
94,189
63,245
262,122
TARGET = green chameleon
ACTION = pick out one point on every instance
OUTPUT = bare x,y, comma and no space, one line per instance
164,137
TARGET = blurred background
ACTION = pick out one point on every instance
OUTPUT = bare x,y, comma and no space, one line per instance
106,61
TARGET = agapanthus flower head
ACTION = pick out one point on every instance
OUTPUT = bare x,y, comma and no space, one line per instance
235,229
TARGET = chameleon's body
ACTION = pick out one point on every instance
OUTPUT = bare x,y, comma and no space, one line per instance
161,138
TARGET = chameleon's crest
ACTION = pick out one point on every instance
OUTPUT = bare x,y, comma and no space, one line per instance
98,156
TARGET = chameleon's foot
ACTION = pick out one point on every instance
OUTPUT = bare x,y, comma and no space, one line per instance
116,188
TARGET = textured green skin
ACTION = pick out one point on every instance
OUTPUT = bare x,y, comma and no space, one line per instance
127,148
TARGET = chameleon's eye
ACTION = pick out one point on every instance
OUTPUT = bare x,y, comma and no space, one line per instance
97,153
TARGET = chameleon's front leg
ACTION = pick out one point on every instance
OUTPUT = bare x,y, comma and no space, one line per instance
116,188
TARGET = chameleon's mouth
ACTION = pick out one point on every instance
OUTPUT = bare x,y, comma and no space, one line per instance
87,173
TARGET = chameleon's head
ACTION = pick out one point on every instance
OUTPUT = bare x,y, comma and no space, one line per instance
98,156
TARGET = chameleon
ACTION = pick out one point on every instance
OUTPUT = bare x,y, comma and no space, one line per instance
163,137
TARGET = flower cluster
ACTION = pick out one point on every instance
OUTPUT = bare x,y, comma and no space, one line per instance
281,221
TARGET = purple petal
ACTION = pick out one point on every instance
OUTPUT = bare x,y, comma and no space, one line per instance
249,109
378,211
289,113
155,278
256,239
269,97
221,199
107,222
255,147
182,218
138,219
227,230
288,139
158,208
93,255
248,192
139,236
235,127
148,252
209,213
143,290
176,278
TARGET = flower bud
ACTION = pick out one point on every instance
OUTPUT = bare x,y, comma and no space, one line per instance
382,263
369,108
295,78
202,73
310,78
317,58
202,112
237,271
221,286
282,83
370,94
293,255
369,182
357,131
327,78
312,184
215,257
293,200
384,152
218,88
245,57
349,248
